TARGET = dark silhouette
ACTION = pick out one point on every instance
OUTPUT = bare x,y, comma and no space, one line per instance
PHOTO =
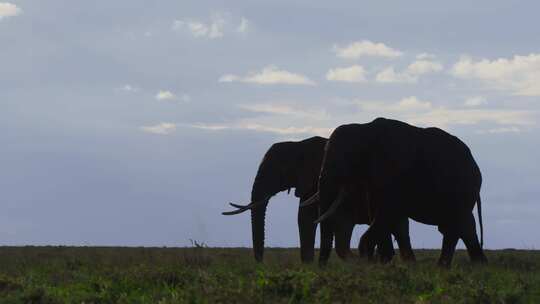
286,165
424,174
297,165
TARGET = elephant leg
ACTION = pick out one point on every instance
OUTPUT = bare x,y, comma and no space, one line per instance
376,235
366,246
450,239
401,232
327,238
385,248
470,238
307,230
343,240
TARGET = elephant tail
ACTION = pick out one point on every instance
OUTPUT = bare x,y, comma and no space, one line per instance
479,209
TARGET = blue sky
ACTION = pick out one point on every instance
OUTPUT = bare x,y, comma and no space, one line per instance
135,122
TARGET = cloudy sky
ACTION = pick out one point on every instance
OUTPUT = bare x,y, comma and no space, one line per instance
135,122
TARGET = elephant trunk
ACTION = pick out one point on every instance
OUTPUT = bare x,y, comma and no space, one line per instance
258,215
263,189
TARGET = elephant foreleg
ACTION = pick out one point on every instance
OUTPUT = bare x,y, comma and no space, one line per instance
307,230
343,240
366,247
401,232
378,233
385,248
327,238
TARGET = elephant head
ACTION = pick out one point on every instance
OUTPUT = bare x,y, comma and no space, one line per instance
285,165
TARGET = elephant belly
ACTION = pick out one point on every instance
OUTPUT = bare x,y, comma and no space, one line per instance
427,207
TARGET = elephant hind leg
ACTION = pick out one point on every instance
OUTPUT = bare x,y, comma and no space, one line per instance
470,238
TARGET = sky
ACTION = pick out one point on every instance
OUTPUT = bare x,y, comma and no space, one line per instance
134,123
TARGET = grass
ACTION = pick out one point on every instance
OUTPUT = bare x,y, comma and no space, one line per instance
230,275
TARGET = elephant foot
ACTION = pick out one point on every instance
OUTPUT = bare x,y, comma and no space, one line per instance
385,259
480,260
365,250
345,255
444,263
408,258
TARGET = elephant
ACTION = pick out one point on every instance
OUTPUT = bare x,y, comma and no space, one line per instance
286,165
297,165
424,174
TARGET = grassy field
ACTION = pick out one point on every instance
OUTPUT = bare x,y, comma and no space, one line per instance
228,275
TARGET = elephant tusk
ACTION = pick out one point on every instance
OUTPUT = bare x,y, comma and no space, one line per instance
234,212
332,208
310,201
238,206
245,208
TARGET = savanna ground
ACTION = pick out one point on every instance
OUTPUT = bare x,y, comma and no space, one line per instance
229,275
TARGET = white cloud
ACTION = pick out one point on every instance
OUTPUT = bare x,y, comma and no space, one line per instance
288,120
163,128
411,73
213,29
407,104
128,88
165,95
185,98
308,130
355,73
444,117
425,56
500,130
520,74
358,49
9,10
273,108
421,67
389,75
475,101
269,75
229,78
424,113
244,26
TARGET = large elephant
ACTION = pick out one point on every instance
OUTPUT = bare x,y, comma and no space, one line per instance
424,174
297,165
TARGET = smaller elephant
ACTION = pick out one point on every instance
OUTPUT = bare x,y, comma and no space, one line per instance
286,165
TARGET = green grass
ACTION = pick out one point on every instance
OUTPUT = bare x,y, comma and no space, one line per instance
229,275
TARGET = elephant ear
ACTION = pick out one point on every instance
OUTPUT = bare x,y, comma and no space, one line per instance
394,152
309,167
